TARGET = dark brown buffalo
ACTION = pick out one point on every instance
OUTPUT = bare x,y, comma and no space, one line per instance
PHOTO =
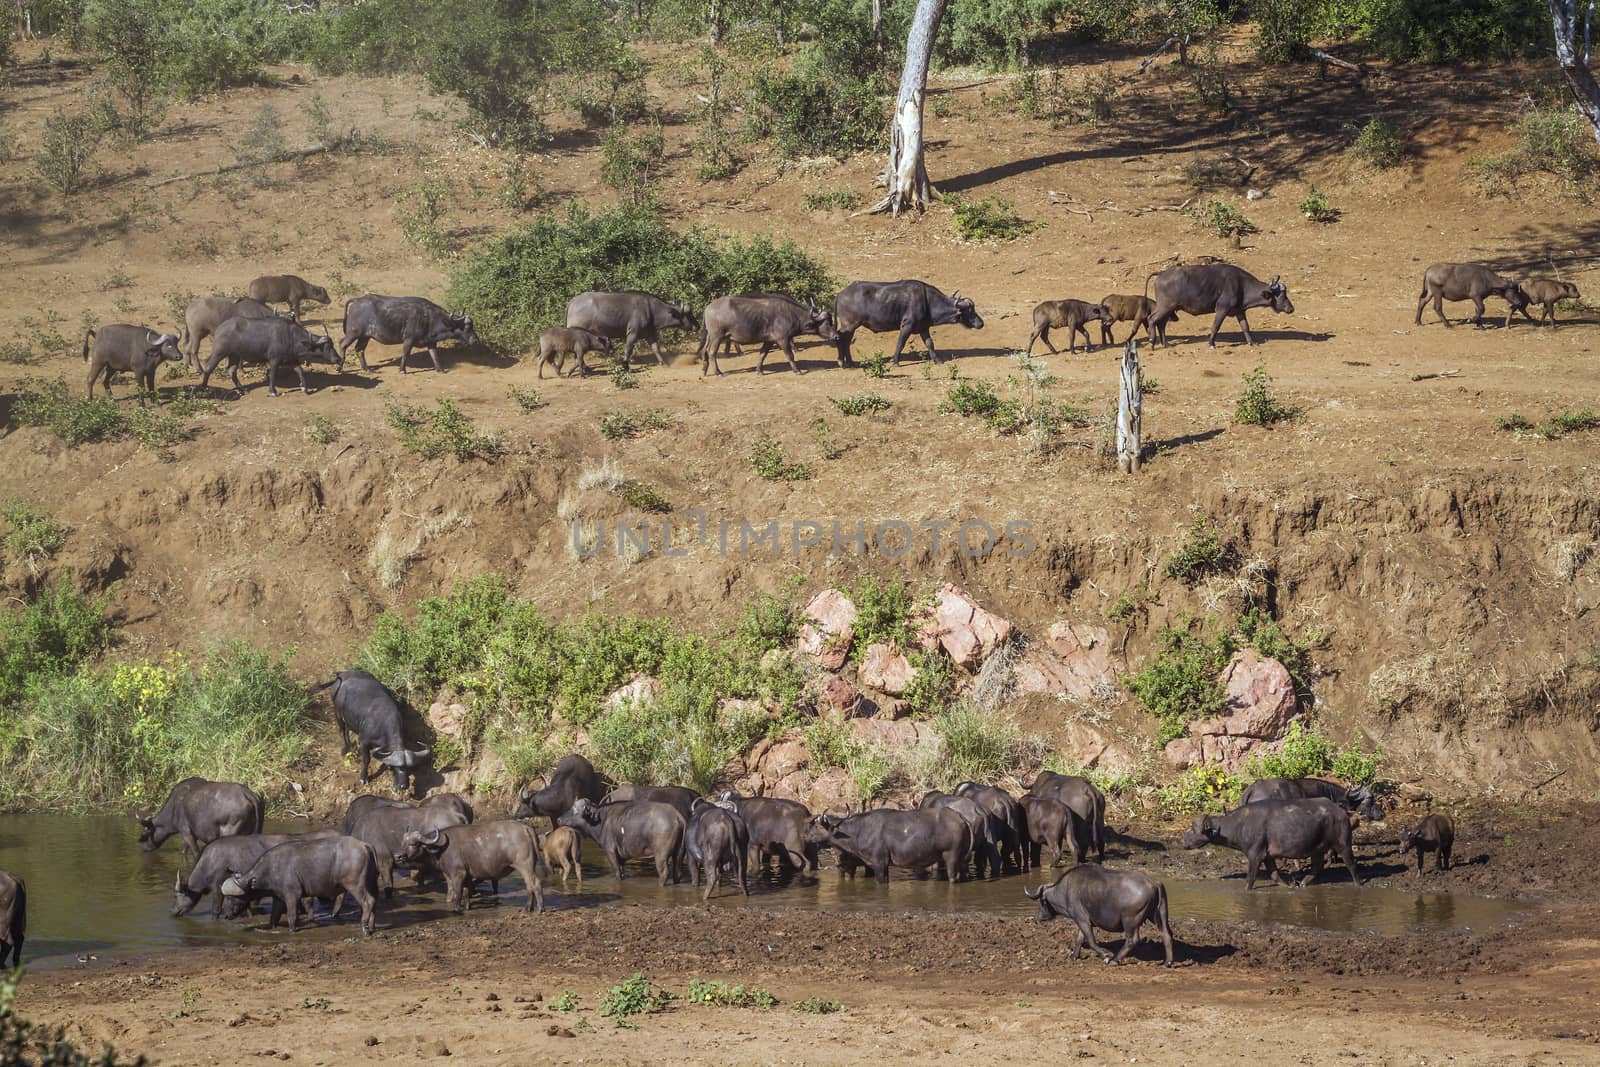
1117,901
1548,292
1271,830
367,713
1082,796
448,802
680,797
137,349
1357,799
484,851
907,306
888,838
632,830
1466,281
1052,825
1010,827
384,828
716,838
630,317
556,343
1218,289
286,289
275,342
204,314
984,826
328,867
1435,833
574,777
771,319
13,917
408,321
777,828
220,859
1070,315
562,851
1134,309
200,812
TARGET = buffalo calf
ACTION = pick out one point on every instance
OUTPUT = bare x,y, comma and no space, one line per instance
1548,292
1134,309
562,852
556,343
1434,834
13,917
1070,315
286,289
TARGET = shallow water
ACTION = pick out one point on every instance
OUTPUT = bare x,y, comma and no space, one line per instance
91,890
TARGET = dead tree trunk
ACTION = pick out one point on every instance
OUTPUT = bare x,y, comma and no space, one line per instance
906,175
1130,411
1573,41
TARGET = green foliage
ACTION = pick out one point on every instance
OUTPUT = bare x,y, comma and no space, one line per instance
1317,207
969,397
870,769
1557,141
996,36
1453,31
826,444
1129,603
1283,28
702,991
1513,423
990,219
50,636
769,460
818,1006
876,365
1201,554
1221,218
611,88
566,1000
1378,144
321,430
766,622
619,425
34,535
1306,754
132,36
632,164
933,683
623,378
812,112
1256,405
643,495
835,200
17,353
447,641
829,743
422,205
76,420
25,1044
1569,421
1180,684
1209,789
860,404
1063,100
974,744
69,146
720,89
633,996
883,614
521,283
442,430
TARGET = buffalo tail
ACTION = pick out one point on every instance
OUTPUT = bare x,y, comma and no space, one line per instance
86,339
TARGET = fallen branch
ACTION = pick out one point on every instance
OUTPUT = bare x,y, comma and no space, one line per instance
1167,46
1550,779
353,137
1062,201
1359,68
1435,374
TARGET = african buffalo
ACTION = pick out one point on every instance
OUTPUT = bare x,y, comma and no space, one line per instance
316,867
777,828
364,803
773,320
384,828
1219,289
1358,799
1011,828
1467,281
1070,315
286,289
275,342
1051,824
1079,794
407,321
628,316
138,349
363,706
984,826
13,917
1134,309
220,859
1435,833
716,837
200,812
557,342
1270,830
484,851
909,306
888,838
680,797
204,314
1548,292
562,849
1117,901
573,777
632,830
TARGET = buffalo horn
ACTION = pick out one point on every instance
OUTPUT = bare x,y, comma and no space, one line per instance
432,839
1033,894
177,881
231,887
422,752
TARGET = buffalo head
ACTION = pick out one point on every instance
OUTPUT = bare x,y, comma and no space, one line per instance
322,350
583,815
1366,805
527,807
419,847
163,346
1200,834
1278,296
317,293
404,763
461,328
147,832
183,898
683,317
967,312
824,829
821,324
1408,839
1047,911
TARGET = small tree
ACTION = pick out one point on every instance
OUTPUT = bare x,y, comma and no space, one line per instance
906,173
132,35
1573,39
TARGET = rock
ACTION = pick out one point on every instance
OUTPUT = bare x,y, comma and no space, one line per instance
889,734
1229,753
739,706
836,698
833,789
829,627
447,720
793,786
1184,752
965,630
1260,700
1087,747
885,667
371,1041
642,689
1086,650
1036,671
785,757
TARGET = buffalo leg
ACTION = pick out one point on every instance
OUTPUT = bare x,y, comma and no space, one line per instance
655,346
1477,312
1042,333
933,353
1086,937
788,350
627,349
1244,324
1130,937
1422,302
713,873
277,913
708,359
1216,324
1442,862
405,350
1438,308
1273,871
1106,337
361,353
900,343
433,353
1252,861
535,888
1348,855
845,337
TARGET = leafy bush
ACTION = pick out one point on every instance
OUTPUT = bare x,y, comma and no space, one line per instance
720,88
970,398
1317,207
520,283
72,419
876,365
34,534
702,991
633,996
619,425
422,205
643,495
1451,31
870,769
829,743
1378,144
990,219
818,1006
1202,553
766,622
1180,684
51,635
1283,28
1221,218
444,429
837,200
809,112
933,682
860,404
1209,789
1556,141
1062,100
1306,754
632,164
1569,421
321,430
1256,405
1512,423
69,146
770,461
25,1044
975,744
996,36
883,614
1257,628
611,88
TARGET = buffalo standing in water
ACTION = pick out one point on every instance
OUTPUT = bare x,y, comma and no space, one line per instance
200,812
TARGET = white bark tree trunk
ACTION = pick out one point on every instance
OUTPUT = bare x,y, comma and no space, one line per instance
906,175
1573,39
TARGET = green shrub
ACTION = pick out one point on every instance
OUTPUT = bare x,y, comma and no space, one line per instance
989,219
996,36
1208,789
970,398
976,745
702,991
1202,553
1453,31
870,769
829,743
1221,218
1571,420
933,683
25,1044
70,142
1180,684
422,205
1256,405
1258,629
632,164
1062,100
321,430
770,461
837,200
643,495
157,430
809,112
34,535
627,425
447,641
633,996
818,1006
611,89
51,635
72,419
1307,754
860,404
262,144
521,283
132,36
1378,144
1317,207
1512,422
883,614
1556,141
1283,28
440,431
876,365
720,89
